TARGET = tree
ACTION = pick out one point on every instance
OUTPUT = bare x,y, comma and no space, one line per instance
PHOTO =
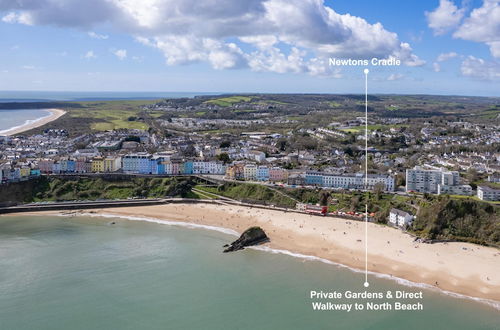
282,144
190,151
349,151
378,189
472,175
225,144
355,201
223,157
323,197
400,179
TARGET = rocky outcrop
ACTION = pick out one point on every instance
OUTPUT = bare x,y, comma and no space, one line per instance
251,236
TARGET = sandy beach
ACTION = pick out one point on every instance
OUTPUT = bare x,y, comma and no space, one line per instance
55,113
462,268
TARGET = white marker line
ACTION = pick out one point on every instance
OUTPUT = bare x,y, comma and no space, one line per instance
366,71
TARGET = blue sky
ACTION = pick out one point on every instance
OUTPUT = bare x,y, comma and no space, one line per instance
249,46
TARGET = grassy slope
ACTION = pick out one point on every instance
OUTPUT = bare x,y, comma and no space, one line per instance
253,193
61,189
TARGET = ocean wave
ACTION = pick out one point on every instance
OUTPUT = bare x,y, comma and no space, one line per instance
402,281
163,222
26,123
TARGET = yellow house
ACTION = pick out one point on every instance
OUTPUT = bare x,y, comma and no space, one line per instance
97,164
24,172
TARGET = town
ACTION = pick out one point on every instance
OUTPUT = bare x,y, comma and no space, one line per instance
447,155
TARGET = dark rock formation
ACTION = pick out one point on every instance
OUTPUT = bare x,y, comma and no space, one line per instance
251,236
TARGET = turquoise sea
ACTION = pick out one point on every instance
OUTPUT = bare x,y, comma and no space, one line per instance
86,273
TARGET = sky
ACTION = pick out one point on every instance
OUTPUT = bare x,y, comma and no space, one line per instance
247,46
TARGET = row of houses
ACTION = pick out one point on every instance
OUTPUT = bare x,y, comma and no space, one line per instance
350,181
140,163
80,165
15,173
252,172
158,164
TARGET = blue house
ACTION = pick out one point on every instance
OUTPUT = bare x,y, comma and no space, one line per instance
188,167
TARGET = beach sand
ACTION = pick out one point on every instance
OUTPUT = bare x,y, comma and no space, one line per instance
462,268
55,113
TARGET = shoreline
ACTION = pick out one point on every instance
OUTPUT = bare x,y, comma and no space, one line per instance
30,124
459,269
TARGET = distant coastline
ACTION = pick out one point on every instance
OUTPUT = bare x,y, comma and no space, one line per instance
30,124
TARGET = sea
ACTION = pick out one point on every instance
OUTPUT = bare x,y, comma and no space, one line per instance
20,117
45,96
91,272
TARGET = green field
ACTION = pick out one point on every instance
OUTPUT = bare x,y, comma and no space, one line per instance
333,104
228,101
392,107
111,114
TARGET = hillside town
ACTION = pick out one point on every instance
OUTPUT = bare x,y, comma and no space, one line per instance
259,157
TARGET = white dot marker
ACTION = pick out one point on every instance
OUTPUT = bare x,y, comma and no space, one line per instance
367,284
366,71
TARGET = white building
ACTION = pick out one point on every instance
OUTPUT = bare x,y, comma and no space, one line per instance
461,189
250,172
349,181
256,155
400,218
200,167
488,194
426,180
495,177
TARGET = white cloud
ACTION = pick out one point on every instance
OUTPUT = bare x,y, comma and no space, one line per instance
28,67
90,55
395,76
22,18
120,53
278,35
478,68
436,67
446,56
94,35
445,17
483,25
